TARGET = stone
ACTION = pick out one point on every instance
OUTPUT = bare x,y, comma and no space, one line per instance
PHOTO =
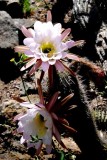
14,9
8,31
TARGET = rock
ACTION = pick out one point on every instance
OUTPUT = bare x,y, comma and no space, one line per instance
8,40
14,9
8,31
26,22
3,4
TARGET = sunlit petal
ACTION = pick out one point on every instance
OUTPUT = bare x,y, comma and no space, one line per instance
65,33
49,16
35,67
21,49
73,57
59,66
26,32
45,66
30,63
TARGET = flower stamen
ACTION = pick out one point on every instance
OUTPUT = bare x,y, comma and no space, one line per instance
48,48
40,125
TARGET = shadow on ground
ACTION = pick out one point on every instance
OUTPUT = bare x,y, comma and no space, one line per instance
8,70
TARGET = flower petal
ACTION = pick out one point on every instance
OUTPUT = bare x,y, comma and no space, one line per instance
37,25
48,148
27,104
58,28
29,53
73,57
45,66
22,140
28,41
52,101
21,49
32,32
49,16
26,32
59,66
70,44
17,116
65,33
58,136
35,67
52,61
30,63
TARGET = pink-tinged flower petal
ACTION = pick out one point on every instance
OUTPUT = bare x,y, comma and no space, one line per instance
58,136
39,148
64,55
70,44
29,145
28,41
32,32
45,66
47,139
33,46
26,32
56,133
52,101
63,121
30,63
35,67
21,49
68,69
58,28
20,128
39,105
54,116
49,16
52,61
29,53
37,25
48,148
73,57
65,33
17,116
27,104
69,128
57,57
79,43
22,140
44,58
64,46
59,66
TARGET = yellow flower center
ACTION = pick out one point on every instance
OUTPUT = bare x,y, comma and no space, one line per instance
40,125
48,48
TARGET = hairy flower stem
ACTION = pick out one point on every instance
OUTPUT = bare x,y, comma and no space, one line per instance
80,118
87,136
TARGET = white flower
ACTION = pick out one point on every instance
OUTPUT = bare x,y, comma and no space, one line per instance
37,123
46,45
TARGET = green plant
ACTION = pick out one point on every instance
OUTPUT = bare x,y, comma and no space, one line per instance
26,9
